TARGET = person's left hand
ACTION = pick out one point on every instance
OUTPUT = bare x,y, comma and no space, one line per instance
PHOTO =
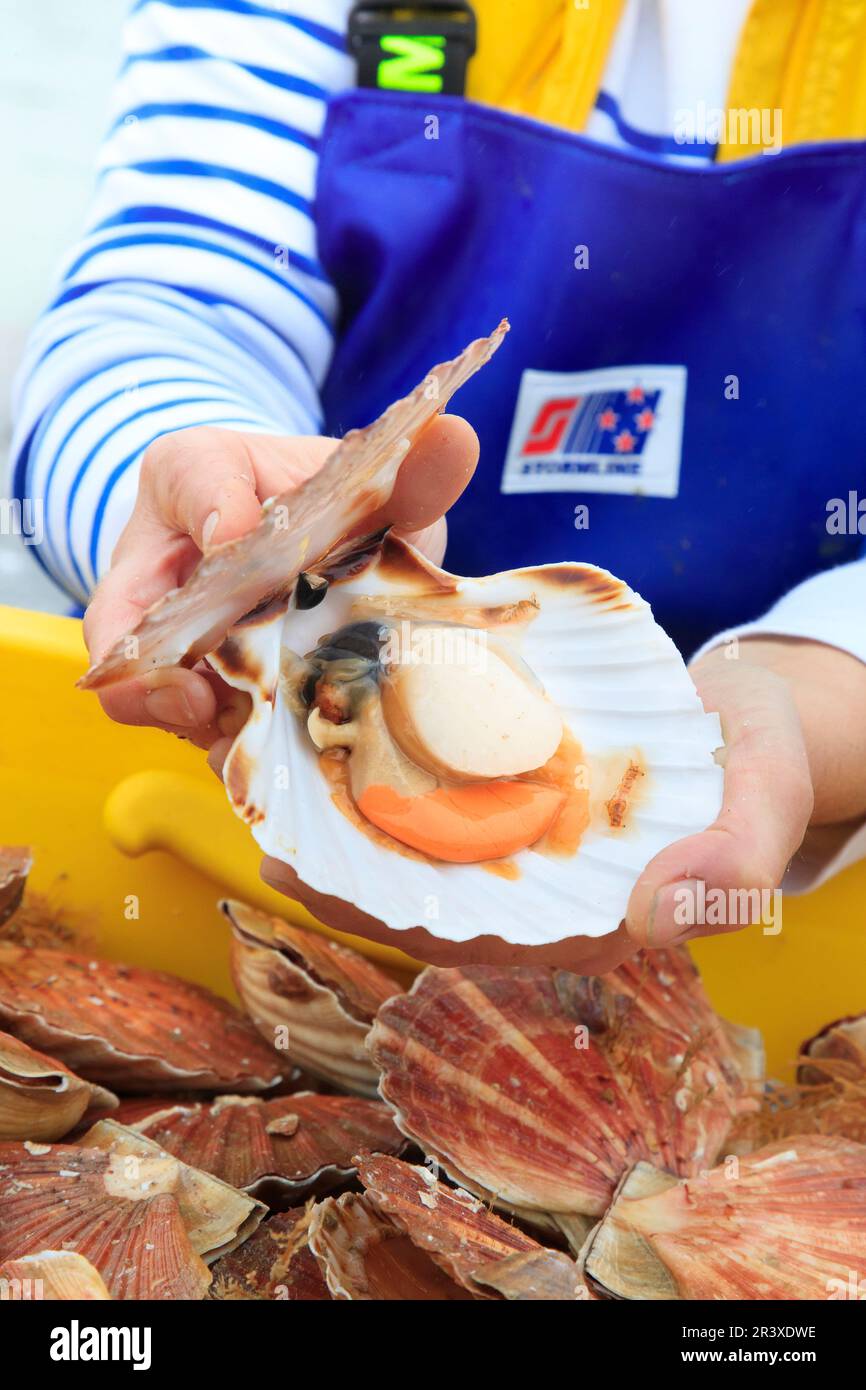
793,716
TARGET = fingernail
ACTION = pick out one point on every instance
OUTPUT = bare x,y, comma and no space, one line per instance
675,909
168,705
212,521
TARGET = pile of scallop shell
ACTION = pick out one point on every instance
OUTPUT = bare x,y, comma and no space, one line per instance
517,1133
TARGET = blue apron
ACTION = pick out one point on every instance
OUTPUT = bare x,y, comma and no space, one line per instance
751,276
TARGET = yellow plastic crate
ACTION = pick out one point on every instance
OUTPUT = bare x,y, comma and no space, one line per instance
128,821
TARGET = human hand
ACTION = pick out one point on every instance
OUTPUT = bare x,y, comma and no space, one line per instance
795,755
793,715
201,487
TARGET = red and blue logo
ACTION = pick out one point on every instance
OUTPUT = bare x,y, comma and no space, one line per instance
596,425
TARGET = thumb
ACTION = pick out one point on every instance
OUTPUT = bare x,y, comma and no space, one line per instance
766,808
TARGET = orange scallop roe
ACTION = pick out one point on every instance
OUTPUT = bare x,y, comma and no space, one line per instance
465,824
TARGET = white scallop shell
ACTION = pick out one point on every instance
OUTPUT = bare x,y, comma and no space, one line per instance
622,689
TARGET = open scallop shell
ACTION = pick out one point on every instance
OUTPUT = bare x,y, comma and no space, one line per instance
542,1088
365,1257
646,749
275,1263
282,1150
477,1249
55,1276
295,531
40,1098
129,1028
787,1222
310,997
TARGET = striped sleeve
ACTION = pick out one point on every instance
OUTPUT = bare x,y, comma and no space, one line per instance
195,295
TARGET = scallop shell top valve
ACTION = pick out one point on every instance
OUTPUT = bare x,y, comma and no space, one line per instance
499,755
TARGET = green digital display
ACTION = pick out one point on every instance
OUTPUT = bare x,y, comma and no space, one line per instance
415,64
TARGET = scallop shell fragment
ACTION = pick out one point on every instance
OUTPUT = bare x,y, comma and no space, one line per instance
829,1097
308,996
130,1028
838,1051
561,838
542,1088
476,1248
295,531
282,1150
15,864
53,1276
40,1098
787,1222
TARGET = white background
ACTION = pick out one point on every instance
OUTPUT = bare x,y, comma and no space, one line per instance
57,63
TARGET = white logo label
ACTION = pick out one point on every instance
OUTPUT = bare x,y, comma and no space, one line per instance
618,430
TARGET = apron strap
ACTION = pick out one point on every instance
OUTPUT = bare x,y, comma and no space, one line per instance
805,59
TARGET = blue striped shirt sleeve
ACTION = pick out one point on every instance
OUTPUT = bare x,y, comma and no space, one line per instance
195,295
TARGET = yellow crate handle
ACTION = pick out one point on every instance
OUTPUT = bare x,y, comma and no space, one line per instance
169,811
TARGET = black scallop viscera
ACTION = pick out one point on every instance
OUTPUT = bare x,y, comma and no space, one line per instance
348,658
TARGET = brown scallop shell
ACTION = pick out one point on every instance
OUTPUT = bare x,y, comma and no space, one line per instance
275,1263
40,1098
476,1248
281,1150
841,1047
542,1088
310,997
52,1276
15,864
138,1217
829,1097
217,1216
129,1028
365,1257
296,530
787,1222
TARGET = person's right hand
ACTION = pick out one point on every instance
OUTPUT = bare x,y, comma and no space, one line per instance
201,487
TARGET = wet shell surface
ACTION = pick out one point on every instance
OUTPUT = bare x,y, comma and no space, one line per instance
129,1028
625,767
787,1222
281,1150
55,1276
39,1097
542,1088
309,997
